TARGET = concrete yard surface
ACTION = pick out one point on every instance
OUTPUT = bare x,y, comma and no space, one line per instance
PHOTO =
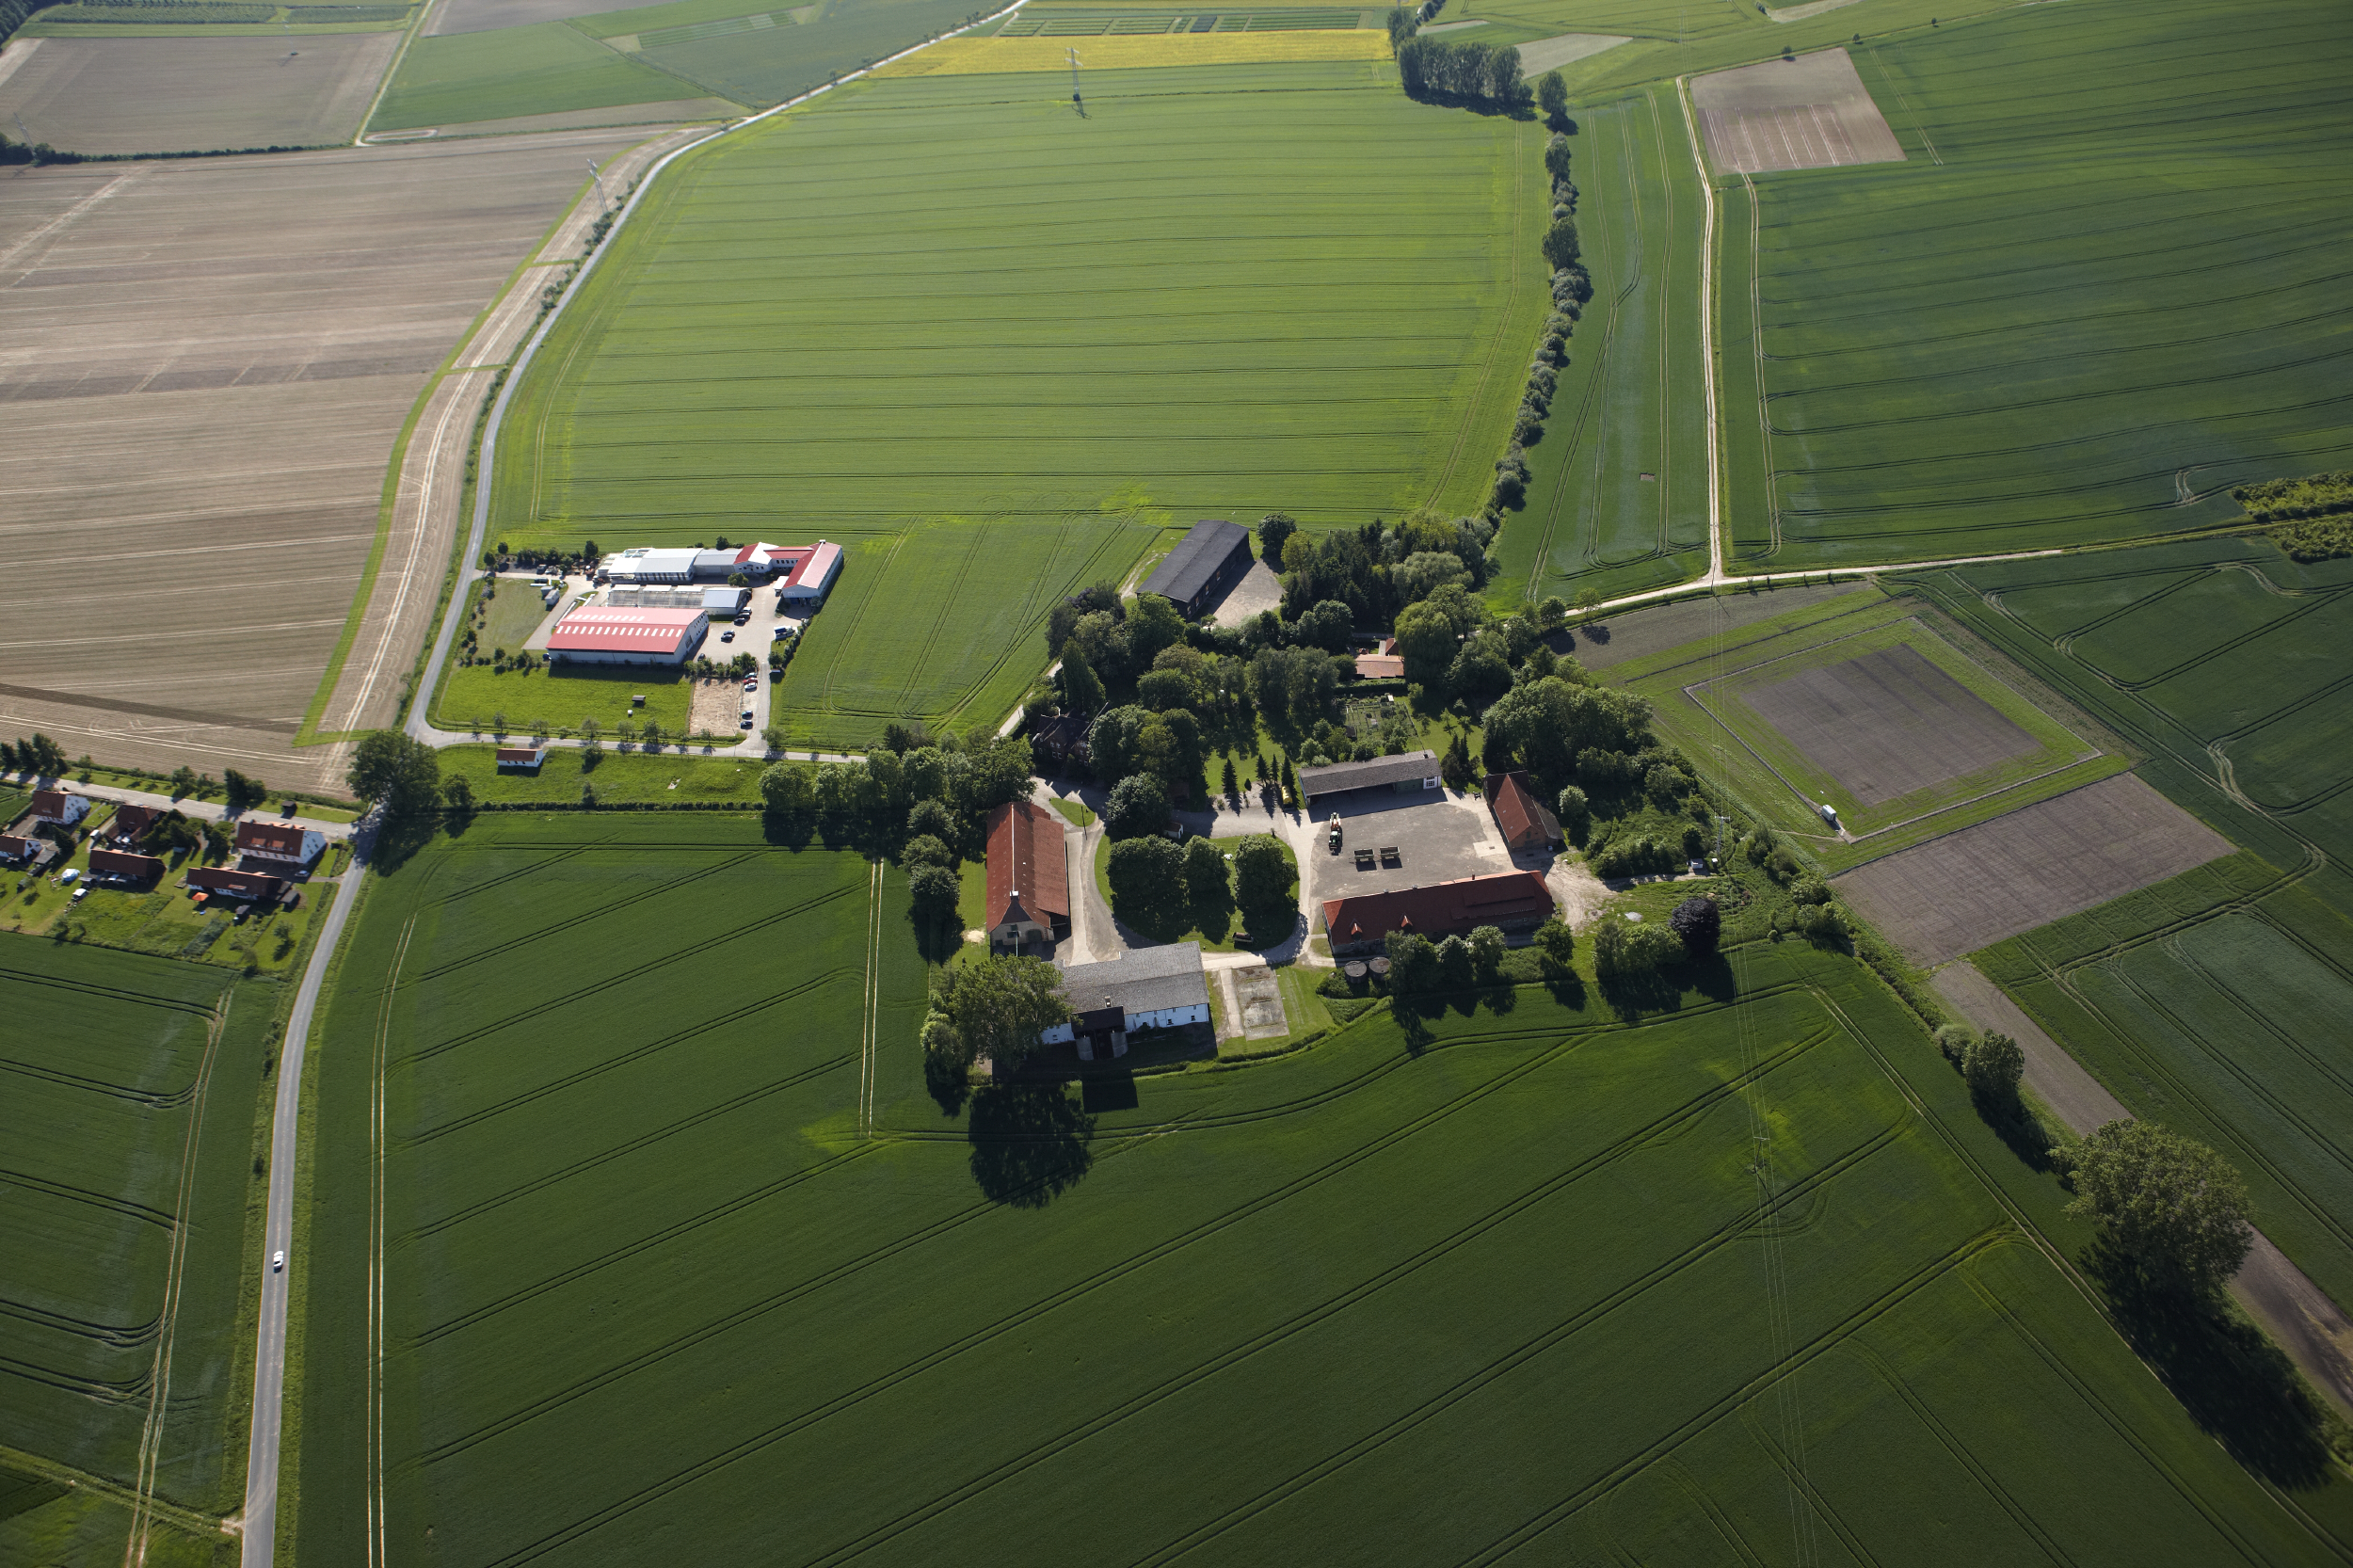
1810,112
197,94
1439,837
206,365
1961,893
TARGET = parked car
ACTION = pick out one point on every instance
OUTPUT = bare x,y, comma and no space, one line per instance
753,685
727,637
782,632
744,619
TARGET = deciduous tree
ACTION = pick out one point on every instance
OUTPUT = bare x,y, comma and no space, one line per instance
1138,806
1148,878
2171,1203
390,769
1262,875
998,1007
1992,1065
1699,923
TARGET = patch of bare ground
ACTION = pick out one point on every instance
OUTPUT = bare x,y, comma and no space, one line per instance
205,366
716,707
1808,112
2038,864
197,94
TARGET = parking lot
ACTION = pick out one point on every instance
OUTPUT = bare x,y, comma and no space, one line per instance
1437,836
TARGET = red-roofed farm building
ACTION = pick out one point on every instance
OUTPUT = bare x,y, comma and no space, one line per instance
1029,878
1519,815
279,843
604,635
1509,901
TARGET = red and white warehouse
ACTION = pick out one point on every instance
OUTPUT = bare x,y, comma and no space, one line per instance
608,634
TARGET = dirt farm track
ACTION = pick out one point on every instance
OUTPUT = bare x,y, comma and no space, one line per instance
206,366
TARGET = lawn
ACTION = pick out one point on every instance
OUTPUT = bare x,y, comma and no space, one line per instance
1618,497
558,697
128,1118
2012,341
1214,921
651,1293
1703,693
620,777
546,67
1209,297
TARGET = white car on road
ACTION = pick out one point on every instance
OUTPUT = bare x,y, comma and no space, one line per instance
276,1261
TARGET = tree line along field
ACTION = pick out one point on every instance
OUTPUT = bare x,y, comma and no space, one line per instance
658,1281
2207,1001
1618,495
128,1118
1227,291
2013,340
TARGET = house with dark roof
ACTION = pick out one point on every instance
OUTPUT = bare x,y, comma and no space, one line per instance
122,865
280,843
1145,988
1509,901
1206,562
1519,815
1062,740
1413,771
58,807
219,881
129,825
1029,878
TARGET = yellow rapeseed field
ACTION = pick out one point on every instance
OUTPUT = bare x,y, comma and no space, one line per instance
971,56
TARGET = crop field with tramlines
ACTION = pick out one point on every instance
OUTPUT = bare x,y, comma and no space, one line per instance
2019,337
2208,999
955,313
127,1090
1618,501
681,1259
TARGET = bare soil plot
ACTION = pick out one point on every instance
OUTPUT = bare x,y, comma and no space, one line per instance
1811,112
183,95
1888,723
681,111
1638,634
1551,54
2035,865
205,366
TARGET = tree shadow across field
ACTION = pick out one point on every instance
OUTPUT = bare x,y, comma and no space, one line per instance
948,1084
1030,1143
2239,1387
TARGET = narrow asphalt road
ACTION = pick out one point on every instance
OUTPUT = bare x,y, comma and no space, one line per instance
269,1364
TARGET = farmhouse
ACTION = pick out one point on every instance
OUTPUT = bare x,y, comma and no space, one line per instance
604,635
521,759
1521,817
1029,878
1204,564
129,825
1379,666
19,849
1149,988
1416,770
279,843
57,808
1508,900
1062,740
219,883
122,865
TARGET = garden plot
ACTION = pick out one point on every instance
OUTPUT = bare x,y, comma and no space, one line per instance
206,364
2035,865
196,94
1810,112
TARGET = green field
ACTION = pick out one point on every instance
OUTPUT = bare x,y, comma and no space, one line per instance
1697,690
2013,339
2203,1000
547,68
559,696
1181,306
1617,501
619,777
127,1118
664,1279
767,57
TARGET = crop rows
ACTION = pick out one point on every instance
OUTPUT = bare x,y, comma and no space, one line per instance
2014,343
1196,301
733,1316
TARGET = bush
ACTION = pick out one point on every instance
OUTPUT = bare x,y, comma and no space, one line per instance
1992,1067
1698,924
1413,963
1486,950
1138,807
1454,967
1555,942
1148,878
926,849
1625,948
1953,1041
1204,873
1263,877
934,890
931,818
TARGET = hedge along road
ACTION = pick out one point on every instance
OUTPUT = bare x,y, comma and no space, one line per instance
269,1368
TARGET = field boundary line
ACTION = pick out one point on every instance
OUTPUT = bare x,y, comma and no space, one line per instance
1503,323
380,1049
867,1051
159,1381
520,365
416,30
214,1530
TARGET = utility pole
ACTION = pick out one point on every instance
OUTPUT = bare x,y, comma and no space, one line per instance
1074,79
595,174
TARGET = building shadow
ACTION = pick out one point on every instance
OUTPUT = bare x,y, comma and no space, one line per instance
1030,1143
2238,1386
1109,1091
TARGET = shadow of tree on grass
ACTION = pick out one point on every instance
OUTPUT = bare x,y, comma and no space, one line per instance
1028,1143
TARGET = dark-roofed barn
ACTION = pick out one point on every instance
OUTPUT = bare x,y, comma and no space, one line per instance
1205,563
